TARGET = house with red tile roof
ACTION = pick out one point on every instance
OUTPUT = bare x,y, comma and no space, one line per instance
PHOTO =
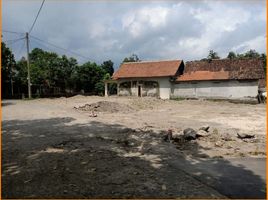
219,78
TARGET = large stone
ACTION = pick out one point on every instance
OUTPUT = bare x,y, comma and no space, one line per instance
189,134
245,136
202,133
204,128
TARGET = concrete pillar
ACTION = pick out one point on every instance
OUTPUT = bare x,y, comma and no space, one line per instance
117,89
106,89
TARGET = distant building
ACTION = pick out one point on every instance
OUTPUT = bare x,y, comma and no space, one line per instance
220,78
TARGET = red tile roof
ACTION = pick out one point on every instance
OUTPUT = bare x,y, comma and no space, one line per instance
148,69
203,75
222,69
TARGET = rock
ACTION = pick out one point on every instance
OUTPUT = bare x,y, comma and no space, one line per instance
204,128
218,144
164,187
227,137
202,133
189,134
244,135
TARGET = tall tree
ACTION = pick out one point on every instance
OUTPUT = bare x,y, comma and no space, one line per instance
252,54
231,55
7,70
88,76
132,58
108,67
213,55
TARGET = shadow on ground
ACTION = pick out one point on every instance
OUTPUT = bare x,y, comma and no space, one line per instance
55,158
4,103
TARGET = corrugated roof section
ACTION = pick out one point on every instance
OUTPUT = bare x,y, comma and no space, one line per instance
148,69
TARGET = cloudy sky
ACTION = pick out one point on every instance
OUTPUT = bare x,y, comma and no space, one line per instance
154,30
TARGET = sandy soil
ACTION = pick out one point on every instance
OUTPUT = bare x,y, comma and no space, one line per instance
53,148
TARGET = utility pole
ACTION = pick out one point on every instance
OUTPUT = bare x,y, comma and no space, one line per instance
28,66
10,74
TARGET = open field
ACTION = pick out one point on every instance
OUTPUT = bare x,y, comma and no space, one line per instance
51,149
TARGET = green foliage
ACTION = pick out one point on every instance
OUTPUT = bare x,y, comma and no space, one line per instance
251,54
213,55
7,69
108,67
87,76
231,55
132,58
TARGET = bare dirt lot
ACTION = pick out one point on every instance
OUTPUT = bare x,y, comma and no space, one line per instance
96,147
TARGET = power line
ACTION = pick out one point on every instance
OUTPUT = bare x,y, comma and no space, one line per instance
37,16
61,48
22,46
14,32
14,40
44,45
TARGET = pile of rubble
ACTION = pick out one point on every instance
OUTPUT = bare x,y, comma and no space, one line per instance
212,143
189,134
104,106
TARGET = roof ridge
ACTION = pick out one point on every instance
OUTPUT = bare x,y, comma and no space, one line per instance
219,59
152,61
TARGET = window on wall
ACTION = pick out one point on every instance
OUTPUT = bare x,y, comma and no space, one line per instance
125,84
152,84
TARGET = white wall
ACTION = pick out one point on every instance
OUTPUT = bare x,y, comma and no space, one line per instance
231,89
164,86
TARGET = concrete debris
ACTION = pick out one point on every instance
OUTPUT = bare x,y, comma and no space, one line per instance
204,128
168,137
218,144
189,134
227,138
245,136
104,106
202,133
93,114
164,187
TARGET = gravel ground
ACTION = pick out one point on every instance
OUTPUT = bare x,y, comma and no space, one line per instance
53,149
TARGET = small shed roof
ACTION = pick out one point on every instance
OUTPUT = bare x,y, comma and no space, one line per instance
148,69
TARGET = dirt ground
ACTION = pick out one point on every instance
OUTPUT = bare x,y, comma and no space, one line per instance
97,147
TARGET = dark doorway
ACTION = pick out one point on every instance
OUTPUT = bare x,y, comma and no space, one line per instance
139,90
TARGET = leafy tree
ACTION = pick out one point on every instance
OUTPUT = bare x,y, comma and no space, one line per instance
21,75
64,73
7,70
87,76
252,54
108,67
231,55
213,55
132,58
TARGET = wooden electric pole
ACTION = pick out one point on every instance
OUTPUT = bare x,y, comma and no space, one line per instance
28,67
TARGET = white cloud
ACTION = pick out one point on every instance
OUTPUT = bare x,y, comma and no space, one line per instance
257,43
138,20
153,30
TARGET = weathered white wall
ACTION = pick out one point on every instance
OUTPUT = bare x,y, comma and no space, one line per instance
164,87
231,89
